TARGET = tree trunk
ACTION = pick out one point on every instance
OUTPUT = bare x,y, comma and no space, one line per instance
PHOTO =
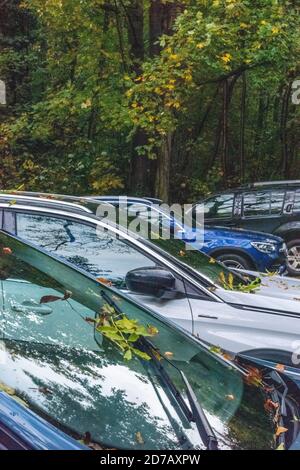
139,180
242,129
283,129
161,19
224,154
162,182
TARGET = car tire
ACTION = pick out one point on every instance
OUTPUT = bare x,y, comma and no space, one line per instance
293,257
232,260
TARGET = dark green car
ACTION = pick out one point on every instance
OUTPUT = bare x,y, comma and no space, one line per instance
55,360
271,207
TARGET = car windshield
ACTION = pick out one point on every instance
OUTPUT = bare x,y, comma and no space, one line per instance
56,362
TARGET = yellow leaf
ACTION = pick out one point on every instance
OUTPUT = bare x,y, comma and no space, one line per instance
280,430
230,397
281,447
168,354
226,58
139,438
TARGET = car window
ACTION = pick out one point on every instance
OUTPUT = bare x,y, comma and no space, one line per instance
262,203
296,205
277,199
98,252
219,207
256,203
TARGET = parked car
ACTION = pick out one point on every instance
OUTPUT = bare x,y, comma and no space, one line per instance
272,207
256,316
63,362
239,249
22,429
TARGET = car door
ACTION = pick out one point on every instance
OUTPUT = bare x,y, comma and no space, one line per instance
262,210
101,254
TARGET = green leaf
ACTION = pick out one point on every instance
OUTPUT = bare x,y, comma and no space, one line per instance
128,355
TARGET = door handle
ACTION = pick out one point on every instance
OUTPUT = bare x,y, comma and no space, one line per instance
30,306
208,316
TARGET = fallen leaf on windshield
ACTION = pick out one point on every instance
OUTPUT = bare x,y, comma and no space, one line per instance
215,349
227,356
230,397
270,405
105,281
254,376
152,330
280,367
49,298
6,250
280,430
168,354
281,447
139,438
53,298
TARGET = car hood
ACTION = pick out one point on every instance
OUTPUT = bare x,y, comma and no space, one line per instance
285,290
236,233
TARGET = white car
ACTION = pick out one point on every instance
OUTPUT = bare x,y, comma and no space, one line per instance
221,307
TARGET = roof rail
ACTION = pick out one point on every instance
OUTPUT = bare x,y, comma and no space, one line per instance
271,183
71,203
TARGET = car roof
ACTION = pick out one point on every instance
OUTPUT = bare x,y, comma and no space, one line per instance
88,204
58,201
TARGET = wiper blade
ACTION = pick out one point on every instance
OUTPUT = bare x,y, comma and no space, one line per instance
196,413
205,430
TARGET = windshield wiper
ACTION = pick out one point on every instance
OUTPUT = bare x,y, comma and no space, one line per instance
205,430
193,414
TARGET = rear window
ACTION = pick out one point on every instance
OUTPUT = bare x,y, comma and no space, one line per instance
262,203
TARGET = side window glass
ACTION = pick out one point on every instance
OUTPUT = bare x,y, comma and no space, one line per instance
277,198
296,207
98,252
219,207
257,203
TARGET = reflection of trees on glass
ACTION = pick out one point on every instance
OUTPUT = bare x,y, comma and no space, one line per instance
219,207
90,392
98,252
258,432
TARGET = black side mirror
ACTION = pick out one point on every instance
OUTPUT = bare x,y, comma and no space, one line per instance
152,281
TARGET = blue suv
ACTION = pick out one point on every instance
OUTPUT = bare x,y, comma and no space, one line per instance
236,248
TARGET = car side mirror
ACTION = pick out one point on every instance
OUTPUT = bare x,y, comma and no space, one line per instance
154,281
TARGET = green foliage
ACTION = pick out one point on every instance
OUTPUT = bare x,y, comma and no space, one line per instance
228,283
78,97
123,332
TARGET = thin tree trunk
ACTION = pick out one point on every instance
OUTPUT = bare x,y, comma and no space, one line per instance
283,129
162,182
242,131
224,153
